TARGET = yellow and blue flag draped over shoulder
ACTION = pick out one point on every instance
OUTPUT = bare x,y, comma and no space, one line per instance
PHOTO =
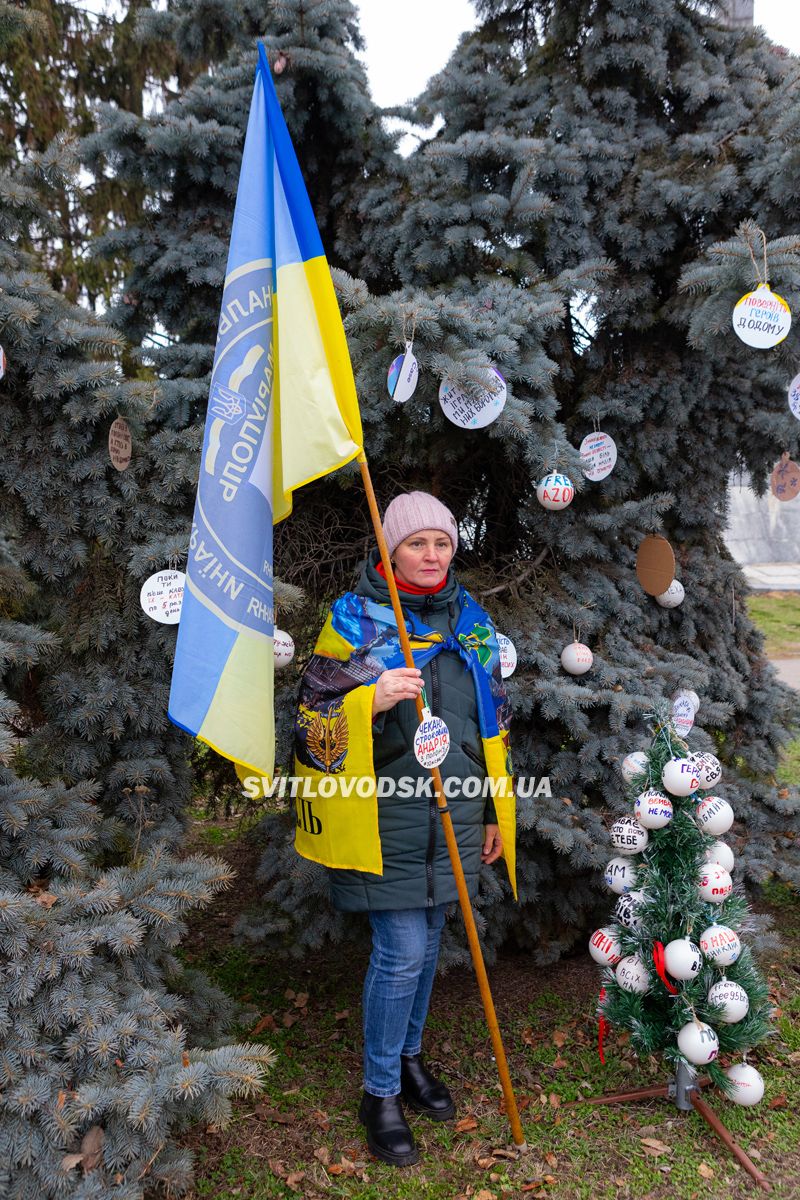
282,411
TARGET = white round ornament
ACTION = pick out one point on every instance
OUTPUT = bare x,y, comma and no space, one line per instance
576,659
604,946
431,740
708,768
683,712
679,777
620,875
403,374
748,1084
598,456
673,596
628,836
682,958
698,1043
652,809
633,765
626,910
632,974
721,945
508,655
794,397
282,647
762,318
715,884
720,852
555,491
733,998
161,596
714,815
2,362
476,408
693,696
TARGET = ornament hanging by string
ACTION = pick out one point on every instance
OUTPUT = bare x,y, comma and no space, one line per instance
161,596
627,910
655,564
721,945
733,998
682,958
794,397
632,974
604,946
508,655
628,836
432,739
555,491
698,1043
714,815
748,1084
762,318
721,853
683,715
633,765
282,647
576,658
714,884
598,453
120,443
403,374
708,768
620,875
653,810
679,777
784,482
672,596
474,408
693,697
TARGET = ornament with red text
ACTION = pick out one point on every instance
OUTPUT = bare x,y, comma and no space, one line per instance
620,875
508,655
748,1084
682,958
476,407
720,852
784,481
633,765
632,974
653,810
119,443
555,491
604,946
627,909
733,998
679,777
720,945
576,659
161,596
403,374
698,1043
794,397
714,815
673,596
628,836
762,318
708,768
598,456
283,648
431,741
715,884
683,712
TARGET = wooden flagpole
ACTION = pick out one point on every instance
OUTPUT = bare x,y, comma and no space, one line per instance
512,1111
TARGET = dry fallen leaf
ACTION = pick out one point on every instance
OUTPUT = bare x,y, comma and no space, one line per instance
323,1154
288,1019
485,1163
551,1160
342,1016
555,1100
295,1179
705,1170
70,1160
654,1146
466,1125
46,899
266,1022
484,1194
277,1167
301,1000
321,1119
92,1148
778,1102
559,1038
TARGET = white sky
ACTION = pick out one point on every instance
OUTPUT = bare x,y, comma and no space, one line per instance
405,46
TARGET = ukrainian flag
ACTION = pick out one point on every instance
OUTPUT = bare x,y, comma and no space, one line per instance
282,411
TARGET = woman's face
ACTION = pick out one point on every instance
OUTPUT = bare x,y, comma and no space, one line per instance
423,558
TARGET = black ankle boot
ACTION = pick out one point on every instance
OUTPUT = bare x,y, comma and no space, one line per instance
388,1135
422,1092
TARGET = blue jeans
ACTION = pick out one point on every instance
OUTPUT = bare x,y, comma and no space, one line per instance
397,990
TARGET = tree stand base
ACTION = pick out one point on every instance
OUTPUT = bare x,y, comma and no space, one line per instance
684,1090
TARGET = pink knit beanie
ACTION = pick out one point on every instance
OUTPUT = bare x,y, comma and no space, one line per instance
412,511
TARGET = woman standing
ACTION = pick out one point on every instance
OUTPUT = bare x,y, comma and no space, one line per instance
356,722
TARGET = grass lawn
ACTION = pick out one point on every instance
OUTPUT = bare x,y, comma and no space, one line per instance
777,615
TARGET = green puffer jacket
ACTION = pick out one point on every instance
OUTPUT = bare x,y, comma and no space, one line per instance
416,863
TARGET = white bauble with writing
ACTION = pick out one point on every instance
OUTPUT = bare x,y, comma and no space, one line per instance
431,740
633,765
604,946
748,1084
632,974
628,836
708,768
698,1043
679,777
555,491
682,958
653,810
714,815
576,659
715,884
508,655
283,647
683,714
720,852
721,945
627,909
733,998
794,397
761,318
692,696
161,596
673,596
620,875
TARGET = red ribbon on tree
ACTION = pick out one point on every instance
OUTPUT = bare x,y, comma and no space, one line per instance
661,970
602,1028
